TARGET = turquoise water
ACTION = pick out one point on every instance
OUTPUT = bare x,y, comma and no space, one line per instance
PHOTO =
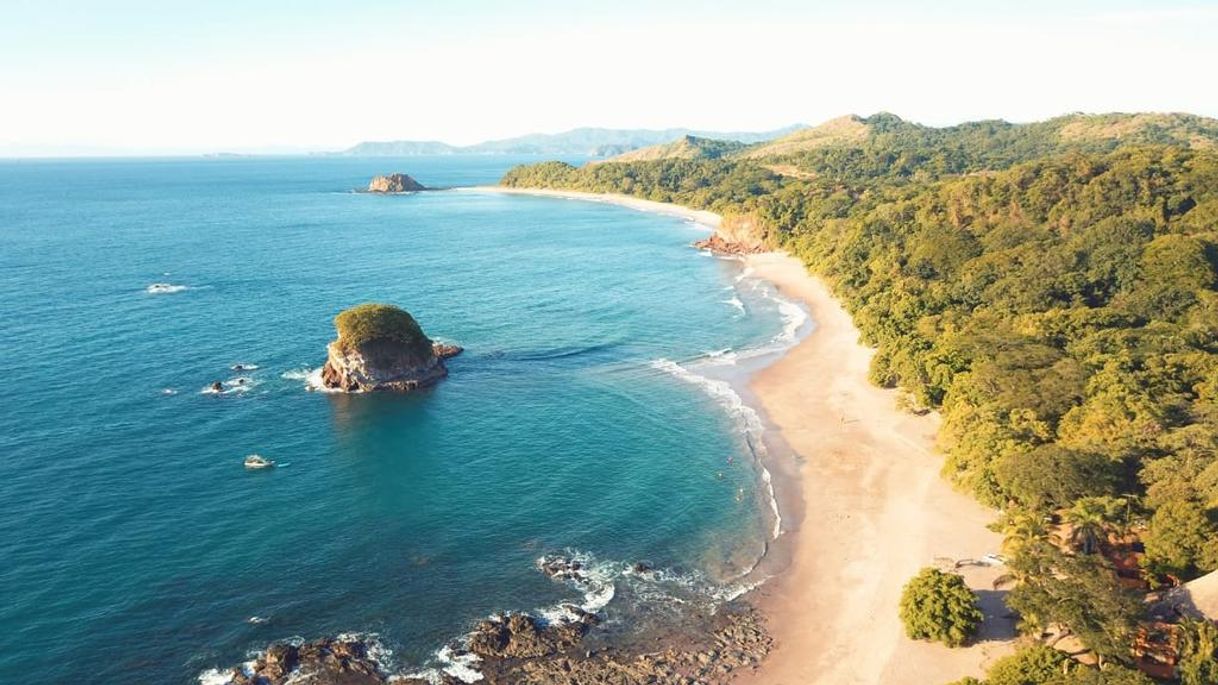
135,548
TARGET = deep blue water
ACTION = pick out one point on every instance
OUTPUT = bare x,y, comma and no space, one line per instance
134,546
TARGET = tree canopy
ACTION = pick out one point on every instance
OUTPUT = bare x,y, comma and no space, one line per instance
939,606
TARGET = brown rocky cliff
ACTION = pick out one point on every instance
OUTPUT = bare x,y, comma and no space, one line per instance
737,234
384,365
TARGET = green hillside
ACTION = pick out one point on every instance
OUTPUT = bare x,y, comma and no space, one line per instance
687,147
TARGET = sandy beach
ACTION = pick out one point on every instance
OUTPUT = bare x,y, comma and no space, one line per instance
873,509
709,219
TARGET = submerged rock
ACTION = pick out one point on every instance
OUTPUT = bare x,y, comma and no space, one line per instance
394,183
382,347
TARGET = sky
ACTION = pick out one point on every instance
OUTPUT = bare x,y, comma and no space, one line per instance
171,77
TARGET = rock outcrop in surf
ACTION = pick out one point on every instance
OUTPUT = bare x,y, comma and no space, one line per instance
331,661
520,636
381,347
394,183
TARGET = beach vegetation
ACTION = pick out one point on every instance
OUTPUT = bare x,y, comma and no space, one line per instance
1078,592
1040,664
1032,665
940,607
1199,653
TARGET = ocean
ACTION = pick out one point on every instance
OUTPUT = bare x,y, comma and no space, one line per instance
593,413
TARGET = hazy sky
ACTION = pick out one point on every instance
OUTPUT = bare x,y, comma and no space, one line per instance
141,76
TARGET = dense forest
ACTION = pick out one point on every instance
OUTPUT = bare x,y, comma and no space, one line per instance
1052,290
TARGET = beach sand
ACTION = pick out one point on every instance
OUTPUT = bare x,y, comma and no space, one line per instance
873,509
708,219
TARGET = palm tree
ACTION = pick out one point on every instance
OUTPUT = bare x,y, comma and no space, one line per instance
1023,531
1093,519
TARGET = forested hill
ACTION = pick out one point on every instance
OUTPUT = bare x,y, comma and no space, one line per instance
886,146
1052,289
687,147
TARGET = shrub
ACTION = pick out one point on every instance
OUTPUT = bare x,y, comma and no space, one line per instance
939,606
1030,666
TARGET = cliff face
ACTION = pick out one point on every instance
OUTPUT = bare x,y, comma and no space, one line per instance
384,365
737,234
394,183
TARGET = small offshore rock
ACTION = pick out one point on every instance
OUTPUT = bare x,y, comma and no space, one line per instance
394,183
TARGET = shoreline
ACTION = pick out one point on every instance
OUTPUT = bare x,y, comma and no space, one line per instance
869,472
701,216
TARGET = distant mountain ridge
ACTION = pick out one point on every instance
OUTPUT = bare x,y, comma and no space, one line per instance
596,142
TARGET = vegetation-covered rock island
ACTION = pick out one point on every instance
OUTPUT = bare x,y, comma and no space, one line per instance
382,347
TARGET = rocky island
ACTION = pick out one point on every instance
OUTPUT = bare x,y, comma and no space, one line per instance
395,183
382,347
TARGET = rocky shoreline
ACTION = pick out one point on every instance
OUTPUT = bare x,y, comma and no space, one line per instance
710,646
719,245
519,648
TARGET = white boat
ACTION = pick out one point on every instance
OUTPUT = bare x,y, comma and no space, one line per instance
255,461
160,288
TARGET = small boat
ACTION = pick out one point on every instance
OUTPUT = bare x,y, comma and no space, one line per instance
158,288
255,461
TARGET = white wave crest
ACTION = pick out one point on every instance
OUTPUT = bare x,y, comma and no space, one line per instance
594,580
214,676
724,357
238,385
459,665
311,378
736,304
793,318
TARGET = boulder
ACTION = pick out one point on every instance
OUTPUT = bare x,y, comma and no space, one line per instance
394,183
